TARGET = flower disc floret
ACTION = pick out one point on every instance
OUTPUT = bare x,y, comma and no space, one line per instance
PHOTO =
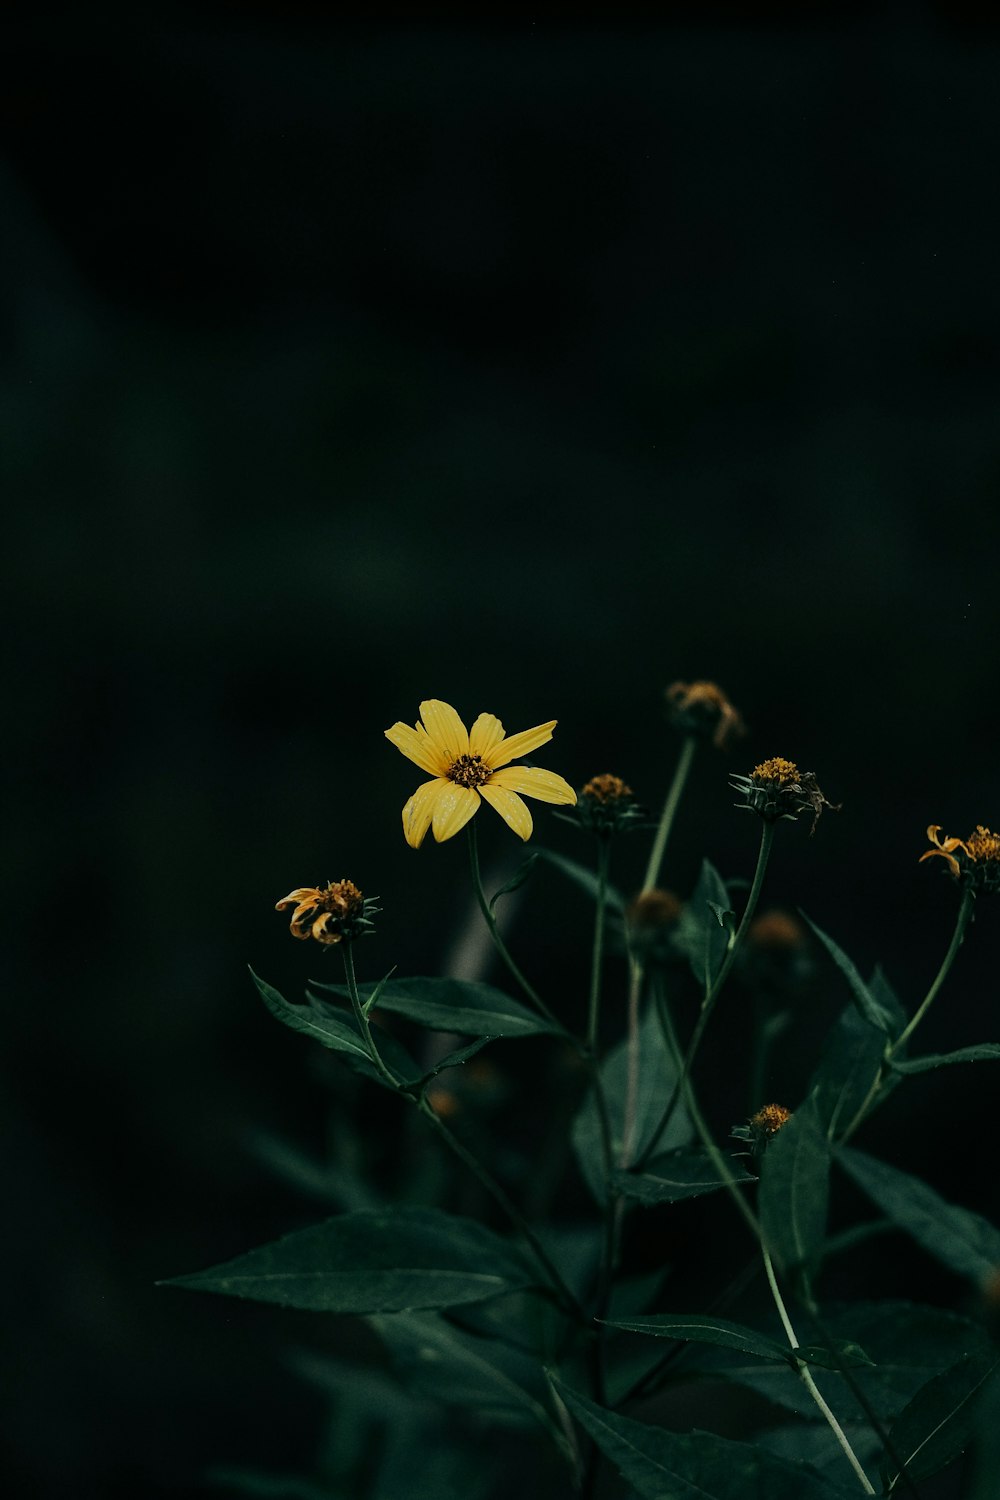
777,789
469,766
762,1127
607,805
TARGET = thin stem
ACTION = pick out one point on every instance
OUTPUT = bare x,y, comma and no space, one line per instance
715,990
498,942
362,1020
805,1376
667,816
593,1011
497,1193
636,976
961,922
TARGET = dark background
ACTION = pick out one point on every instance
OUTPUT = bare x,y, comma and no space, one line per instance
355,360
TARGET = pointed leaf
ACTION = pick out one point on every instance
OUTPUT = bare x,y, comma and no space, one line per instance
657,1076
940,1421
520,875
962,1240
663,1465
460,1005
338,1031
851,1057
582,877
453,1059
704,1330
702,931
874,1011
984,1052
389,1260
794,1187
673,1175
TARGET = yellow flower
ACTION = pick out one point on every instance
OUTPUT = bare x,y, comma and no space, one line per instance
978,865
945,848
329,913
468,764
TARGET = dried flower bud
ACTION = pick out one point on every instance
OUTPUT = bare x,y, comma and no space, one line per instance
776,931
762,1127
777,789
703,710
606,805
334,913
653,910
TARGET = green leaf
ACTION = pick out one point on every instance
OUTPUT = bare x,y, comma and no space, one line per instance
940,1421
908,1343
794,1188
673,1175
338,1031
443,1363
582,877
453,1060
875,1011
520,875
958,1238
984,1052
702,931
704,1330
461,1005
373,999
851,1057
388,1260
657,1076
663,1465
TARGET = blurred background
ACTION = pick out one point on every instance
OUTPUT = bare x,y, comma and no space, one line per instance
352,360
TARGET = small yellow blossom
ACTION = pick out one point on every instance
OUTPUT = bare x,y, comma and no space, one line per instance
329,913
770,1119
470,764
975,860
777,789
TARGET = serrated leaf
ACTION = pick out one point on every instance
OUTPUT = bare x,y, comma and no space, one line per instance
702,933
520,875
960,1239
940,1421
460,1005
444,1363
874,1011
388,1260
663,1465
657,1076
909,1344
794,1189
673,1175
984,1052
704,1330
585,879
852,1055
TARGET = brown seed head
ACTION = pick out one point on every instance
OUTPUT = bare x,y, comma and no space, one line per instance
702,708
605,789
776,931
654,909
780,770
770,1119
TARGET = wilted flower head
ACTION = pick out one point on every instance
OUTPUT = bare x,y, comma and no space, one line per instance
762,1127
974,861
607,805
654,909
334,913
776,931
468,764
703,710
777,789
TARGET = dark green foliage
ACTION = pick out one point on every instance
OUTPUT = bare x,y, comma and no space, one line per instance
461,1005
686,1172
794,1188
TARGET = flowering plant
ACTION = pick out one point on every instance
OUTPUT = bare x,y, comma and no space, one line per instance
514,1290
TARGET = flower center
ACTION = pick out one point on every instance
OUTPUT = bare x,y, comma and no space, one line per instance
778,769
469,770
606,789
341,898
983,845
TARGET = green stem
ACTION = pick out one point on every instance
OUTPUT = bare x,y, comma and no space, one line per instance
715,990
362,1020
961,922
667,816
805,1375
593,1010
496,1192
630,1108
498,942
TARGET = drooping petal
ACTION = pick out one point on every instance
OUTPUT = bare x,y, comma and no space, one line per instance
304,893
520,744
453,807
530,782
486,732
508,804
942,854
418,747
445,729
419,811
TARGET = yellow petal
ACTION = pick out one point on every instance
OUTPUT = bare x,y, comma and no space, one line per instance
510,807
416,746
453,807
520,744
445,728
486,732
304,893
545,785
419,811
